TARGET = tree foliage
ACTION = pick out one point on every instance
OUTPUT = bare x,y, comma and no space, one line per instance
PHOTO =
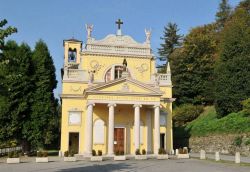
223,14
233,67
172,40
192,66
5,32
28,109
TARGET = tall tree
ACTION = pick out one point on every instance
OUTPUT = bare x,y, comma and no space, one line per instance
193,65
5,32
43,110
15,73
223,14
232,70
171,40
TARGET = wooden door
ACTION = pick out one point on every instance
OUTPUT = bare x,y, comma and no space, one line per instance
119,140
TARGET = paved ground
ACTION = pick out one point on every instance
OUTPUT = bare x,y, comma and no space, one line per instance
223,157
189,165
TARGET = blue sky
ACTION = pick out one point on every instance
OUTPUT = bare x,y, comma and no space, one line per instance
56,20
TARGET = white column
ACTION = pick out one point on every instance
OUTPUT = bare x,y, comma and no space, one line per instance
149,131
157,129
111,129
137,126
89,129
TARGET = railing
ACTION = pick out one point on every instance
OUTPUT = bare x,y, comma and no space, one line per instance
11,149
118,49
75,75
162,79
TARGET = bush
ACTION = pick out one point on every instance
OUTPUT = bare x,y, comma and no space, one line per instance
186,113
11,154
162,151
247,142
237,141
93,152
39,154
45,153
99,153
121,152
66,153
144,152
246,106
137,152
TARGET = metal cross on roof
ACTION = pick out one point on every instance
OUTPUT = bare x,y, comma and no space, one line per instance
119,22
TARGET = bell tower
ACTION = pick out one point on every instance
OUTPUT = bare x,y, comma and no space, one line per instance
72,49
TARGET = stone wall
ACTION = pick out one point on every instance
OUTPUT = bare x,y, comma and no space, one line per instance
226,144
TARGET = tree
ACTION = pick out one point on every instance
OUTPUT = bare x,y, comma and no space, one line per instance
15,79
223,14
171,40
232,79
44,115
5,32
192,66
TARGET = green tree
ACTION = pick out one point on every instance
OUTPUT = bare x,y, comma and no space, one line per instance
192,66
5,32
171,40
232,70
15,73
223,14
44,117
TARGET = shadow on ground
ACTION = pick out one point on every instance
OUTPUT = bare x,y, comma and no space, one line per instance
92,167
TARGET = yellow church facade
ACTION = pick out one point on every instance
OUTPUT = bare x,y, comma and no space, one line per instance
113,99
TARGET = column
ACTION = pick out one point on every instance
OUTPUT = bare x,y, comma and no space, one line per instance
89,129
157,129
137,126
149,131
111,129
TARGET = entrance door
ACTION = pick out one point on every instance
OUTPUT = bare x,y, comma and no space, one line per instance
162,140
118,140
74,142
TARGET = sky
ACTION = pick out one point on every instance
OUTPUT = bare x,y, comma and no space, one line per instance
56,20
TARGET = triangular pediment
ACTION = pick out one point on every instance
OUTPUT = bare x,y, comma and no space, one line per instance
124,86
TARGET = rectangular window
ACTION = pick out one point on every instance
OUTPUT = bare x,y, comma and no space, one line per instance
74,118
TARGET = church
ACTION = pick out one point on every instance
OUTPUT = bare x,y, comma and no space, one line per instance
112,97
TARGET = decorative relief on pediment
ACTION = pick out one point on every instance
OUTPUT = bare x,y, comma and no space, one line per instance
125,88
76,88
94,64
142,68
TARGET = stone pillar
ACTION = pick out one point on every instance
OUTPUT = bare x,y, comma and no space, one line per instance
237,157
137,126
149,131
202,154
157,129
89,129
217,156
111,129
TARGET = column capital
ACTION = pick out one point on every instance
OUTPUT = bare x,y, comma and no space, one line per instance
111,104
137,105
90,104
156,106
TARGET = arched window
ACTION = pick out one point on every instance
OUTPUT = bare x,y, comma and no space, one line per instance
115,72
99,132
72,55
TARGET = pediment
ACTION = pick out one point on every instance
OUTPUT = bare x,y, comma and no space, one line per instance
124,86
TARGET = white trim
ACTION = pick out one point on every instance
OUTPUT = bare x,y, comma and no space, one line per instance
123,102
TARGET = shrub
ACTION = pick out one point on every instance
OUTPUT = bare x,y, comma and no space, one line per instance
45,154
237,141
11,154
247,142
160,151
117,153
66,153
164,151
99,153
143,152
186,113
93,152
137,152
246,106
181,151
39,154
